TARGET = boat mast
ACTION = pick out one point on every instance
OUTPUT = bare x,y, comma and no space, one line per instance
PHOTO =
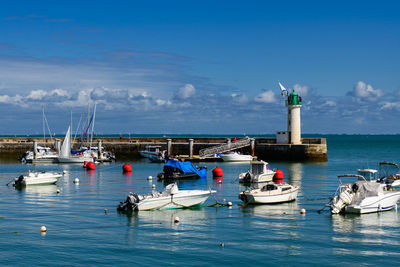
44,131
94,116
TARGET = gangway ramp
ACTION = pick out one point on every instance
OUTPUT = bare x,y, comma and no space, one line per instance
211,151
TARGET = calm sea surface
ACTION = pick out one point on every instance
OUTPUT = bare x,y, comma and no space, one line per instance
80,233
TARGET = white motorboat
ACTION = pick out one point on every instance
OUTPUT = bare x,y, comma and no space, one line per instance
37,178
271,193
236,157
170,198
259,172
43,155
366,195
153,153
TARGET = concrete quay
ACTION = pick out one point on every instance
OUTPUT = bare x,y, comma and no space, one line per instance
310,149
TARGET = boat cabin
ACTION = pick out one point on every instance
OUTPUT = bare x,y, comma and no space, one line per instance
368,174
258,167
155,149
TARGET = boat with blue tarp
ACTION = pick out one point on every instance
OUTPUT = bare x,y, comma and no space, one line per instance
174,169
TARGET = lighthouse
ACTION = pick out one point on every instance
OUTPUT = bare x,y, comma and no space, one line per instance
293,104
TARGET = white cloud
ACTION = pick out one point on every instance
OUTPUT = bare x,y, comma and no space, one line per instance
266,97
239,98
186,91
302,90
365,92
37,94
390,106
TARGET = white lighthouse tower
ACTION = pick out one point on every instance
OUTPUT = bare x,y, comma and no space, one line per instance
293,133
294,104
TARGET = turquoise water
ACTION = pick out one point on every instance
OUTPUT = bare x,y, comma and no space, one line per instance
80,232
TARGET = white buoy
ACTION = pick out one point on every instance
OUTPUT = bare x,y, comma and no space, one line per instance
58,191
153,186
176,219
43,229
229,204
303,211
106,211
150,178
222,244
76,181
65,172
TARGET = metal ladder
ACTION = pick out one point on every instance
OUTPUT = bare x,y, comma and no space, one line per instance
211,151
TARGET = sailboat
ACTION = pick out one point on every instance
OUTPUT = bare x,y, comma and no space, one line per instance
41,154
66,155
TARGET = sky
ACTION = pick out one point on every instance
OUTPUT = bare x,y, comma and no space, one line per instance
199,67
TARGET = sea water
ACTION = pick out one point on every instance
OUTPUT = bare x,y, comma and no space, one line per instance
84,227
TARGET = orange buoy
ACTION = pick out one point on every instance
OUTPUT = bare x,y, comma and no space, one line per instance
90,166
85,164
278,177
217,172
127,168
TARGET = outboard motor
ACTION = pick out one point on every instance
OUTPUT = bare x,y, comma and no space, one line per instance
130,203
248,177
18,181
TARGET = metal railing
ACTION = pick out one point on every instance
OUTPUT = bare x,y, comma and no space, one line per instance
211,151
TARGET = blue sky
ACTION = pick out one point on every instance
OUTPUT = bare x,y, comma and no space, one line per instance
200,66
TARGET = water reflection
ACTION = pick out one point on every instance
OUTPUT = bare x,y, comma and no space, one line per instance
379,229
271,210
40,190
166,217
295,174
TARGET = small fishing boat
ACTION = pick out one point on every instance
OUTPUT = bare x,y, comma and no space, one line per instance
37,178
271,193
170,198
176,170
235,157
259,172
366,195
154,154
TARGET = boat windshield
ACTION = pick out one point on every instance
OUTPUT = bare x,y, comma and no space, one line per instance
257,168
368,174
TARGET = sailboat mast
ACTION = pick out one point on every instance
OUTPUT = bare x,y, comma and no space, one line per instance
44,131
94,117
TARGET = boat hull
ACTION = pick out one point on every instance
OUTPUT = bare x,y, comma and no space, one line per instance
378,203
75,159
183,199
40,178
268,198
236,158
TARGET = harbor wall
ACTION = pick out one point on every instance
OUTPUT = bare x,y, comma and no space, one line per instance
311,149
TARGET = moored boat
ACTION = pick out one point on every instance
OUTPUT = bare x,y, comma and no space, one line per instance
170,198
259,172
235,157
176,170
37,178
366,195
154,154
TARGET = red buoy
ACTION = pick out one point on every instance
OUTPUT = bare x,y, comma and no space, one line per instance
217,172
85,164
90,166
127,168
278,177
